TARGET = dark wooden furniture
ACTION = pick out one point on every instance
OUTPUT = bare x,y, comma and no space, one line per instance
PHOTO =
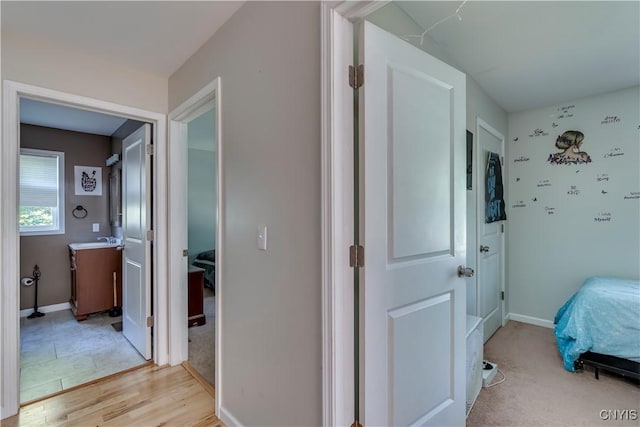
93,272
196,297
617,365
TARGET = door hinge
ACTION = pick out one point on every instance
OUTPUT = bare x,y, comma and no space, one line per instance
150,321
150,235
502,228
356,424
356,256
502,295
150,150
356,76
501,160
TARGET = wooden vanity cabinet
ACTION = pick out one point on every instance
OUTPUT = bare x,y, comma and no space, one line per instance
92,277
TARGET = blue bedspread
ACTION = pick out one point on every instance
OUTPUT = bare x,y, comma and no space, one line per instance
602,317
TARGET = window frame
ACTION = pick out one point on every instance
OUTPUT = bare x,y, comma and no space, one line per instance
59,212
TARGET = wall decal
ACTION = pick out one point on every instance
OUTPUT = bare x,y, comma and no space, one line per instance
570,141
565,112
88,180
544,183
538,132
602,217
632,195
615,152
573,191
535,199
604,192
517,179
550,211
554,125
520,204
516,138
521,159
610,120
494,191
603,177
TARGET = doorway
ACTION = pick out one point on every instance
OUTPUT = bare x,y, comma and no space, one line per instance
15,93
196,213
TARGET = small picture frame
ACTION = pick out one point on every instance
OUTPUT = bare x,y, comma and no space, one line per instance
88,180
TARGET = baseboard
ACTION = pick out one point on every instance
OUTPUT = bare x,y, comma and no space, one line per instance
531,320
47,309
228,419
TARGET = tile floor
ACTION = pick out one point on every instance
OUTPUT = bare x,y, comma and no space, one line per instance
57,352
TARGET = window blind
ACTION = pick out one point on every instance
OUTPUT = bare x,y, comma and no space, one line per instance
38,181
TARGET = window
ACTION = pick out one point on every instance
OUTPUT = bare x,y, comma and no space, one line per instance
41,192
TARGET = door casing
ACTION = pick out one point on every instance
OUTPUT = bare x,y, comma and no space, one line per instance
10,301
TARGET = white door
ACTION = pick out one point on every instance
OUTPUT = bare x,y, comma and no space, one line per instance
490,248
136,258
413,204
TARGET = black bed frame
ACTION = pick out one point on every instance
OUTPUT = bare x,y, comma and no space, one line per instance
617,365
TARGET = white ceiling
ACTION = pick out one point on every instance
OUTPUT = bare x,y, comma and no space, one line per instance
530,54
153,36
60,117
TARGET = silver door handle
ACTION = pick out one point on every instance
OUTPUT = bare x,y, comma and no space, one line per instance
465,271
484,248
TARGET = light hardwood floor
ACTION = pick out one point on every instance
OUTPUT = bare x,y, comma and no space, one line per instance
149,396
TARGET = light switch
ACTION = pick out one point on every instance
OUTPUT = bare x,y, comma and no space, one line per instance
262,237
96,228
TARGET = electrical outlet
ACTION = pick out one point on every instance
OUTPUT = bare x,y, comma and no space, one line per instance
96,228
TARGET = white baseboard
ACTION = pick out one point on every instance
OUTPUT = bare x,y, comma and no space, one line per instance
531,320
47,309
228,419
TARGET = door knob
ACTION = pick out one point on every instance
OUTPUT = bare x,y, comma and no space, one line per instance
484,248
465,271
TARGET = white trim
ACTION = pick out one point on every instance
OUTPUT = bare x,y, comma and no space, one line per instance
47,309
207,97
13,91
227,418
530,320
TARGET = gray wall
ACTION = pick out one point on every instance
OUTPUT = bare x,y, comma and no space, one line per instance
268,57
51,252
201,198
593,229
393,19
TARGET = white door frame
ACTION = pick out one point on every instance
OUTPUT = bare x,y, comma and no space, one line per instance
480,123
337,208
10,247
209,96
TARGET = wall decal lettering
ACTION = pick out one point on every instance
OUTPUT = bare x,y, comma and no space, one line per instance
615,152
632,195
610,120
604,192
520,204
521,159
570,141
565,112
602,177
550,211
573,191
603,217
538,132
554,125
544,183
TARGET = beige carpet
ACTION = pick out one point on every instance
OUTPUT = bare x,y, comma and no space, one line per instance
539,392
202,340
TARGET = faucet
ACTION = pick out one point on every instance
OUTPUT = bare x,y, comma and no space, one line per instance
108,240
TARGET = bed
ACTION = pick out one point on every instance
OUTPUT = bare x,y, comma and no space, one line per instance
600,326
207,261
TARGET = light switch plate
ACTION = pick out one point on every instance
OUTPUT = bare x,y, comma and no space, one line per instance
262,237
96,228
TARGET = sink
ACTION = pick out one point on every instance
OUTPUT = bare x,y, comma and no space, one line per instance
92,245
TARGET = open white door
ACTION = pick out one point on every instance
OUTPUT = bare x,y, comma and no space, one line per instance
490,237
413,204
136,265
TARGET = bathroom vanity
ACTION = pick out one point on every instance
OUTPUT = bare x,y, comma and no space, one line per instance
95,269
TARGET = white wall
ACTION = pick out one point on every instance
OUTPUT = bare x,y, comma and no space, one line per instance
393,19
42,63
560,235
268,58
